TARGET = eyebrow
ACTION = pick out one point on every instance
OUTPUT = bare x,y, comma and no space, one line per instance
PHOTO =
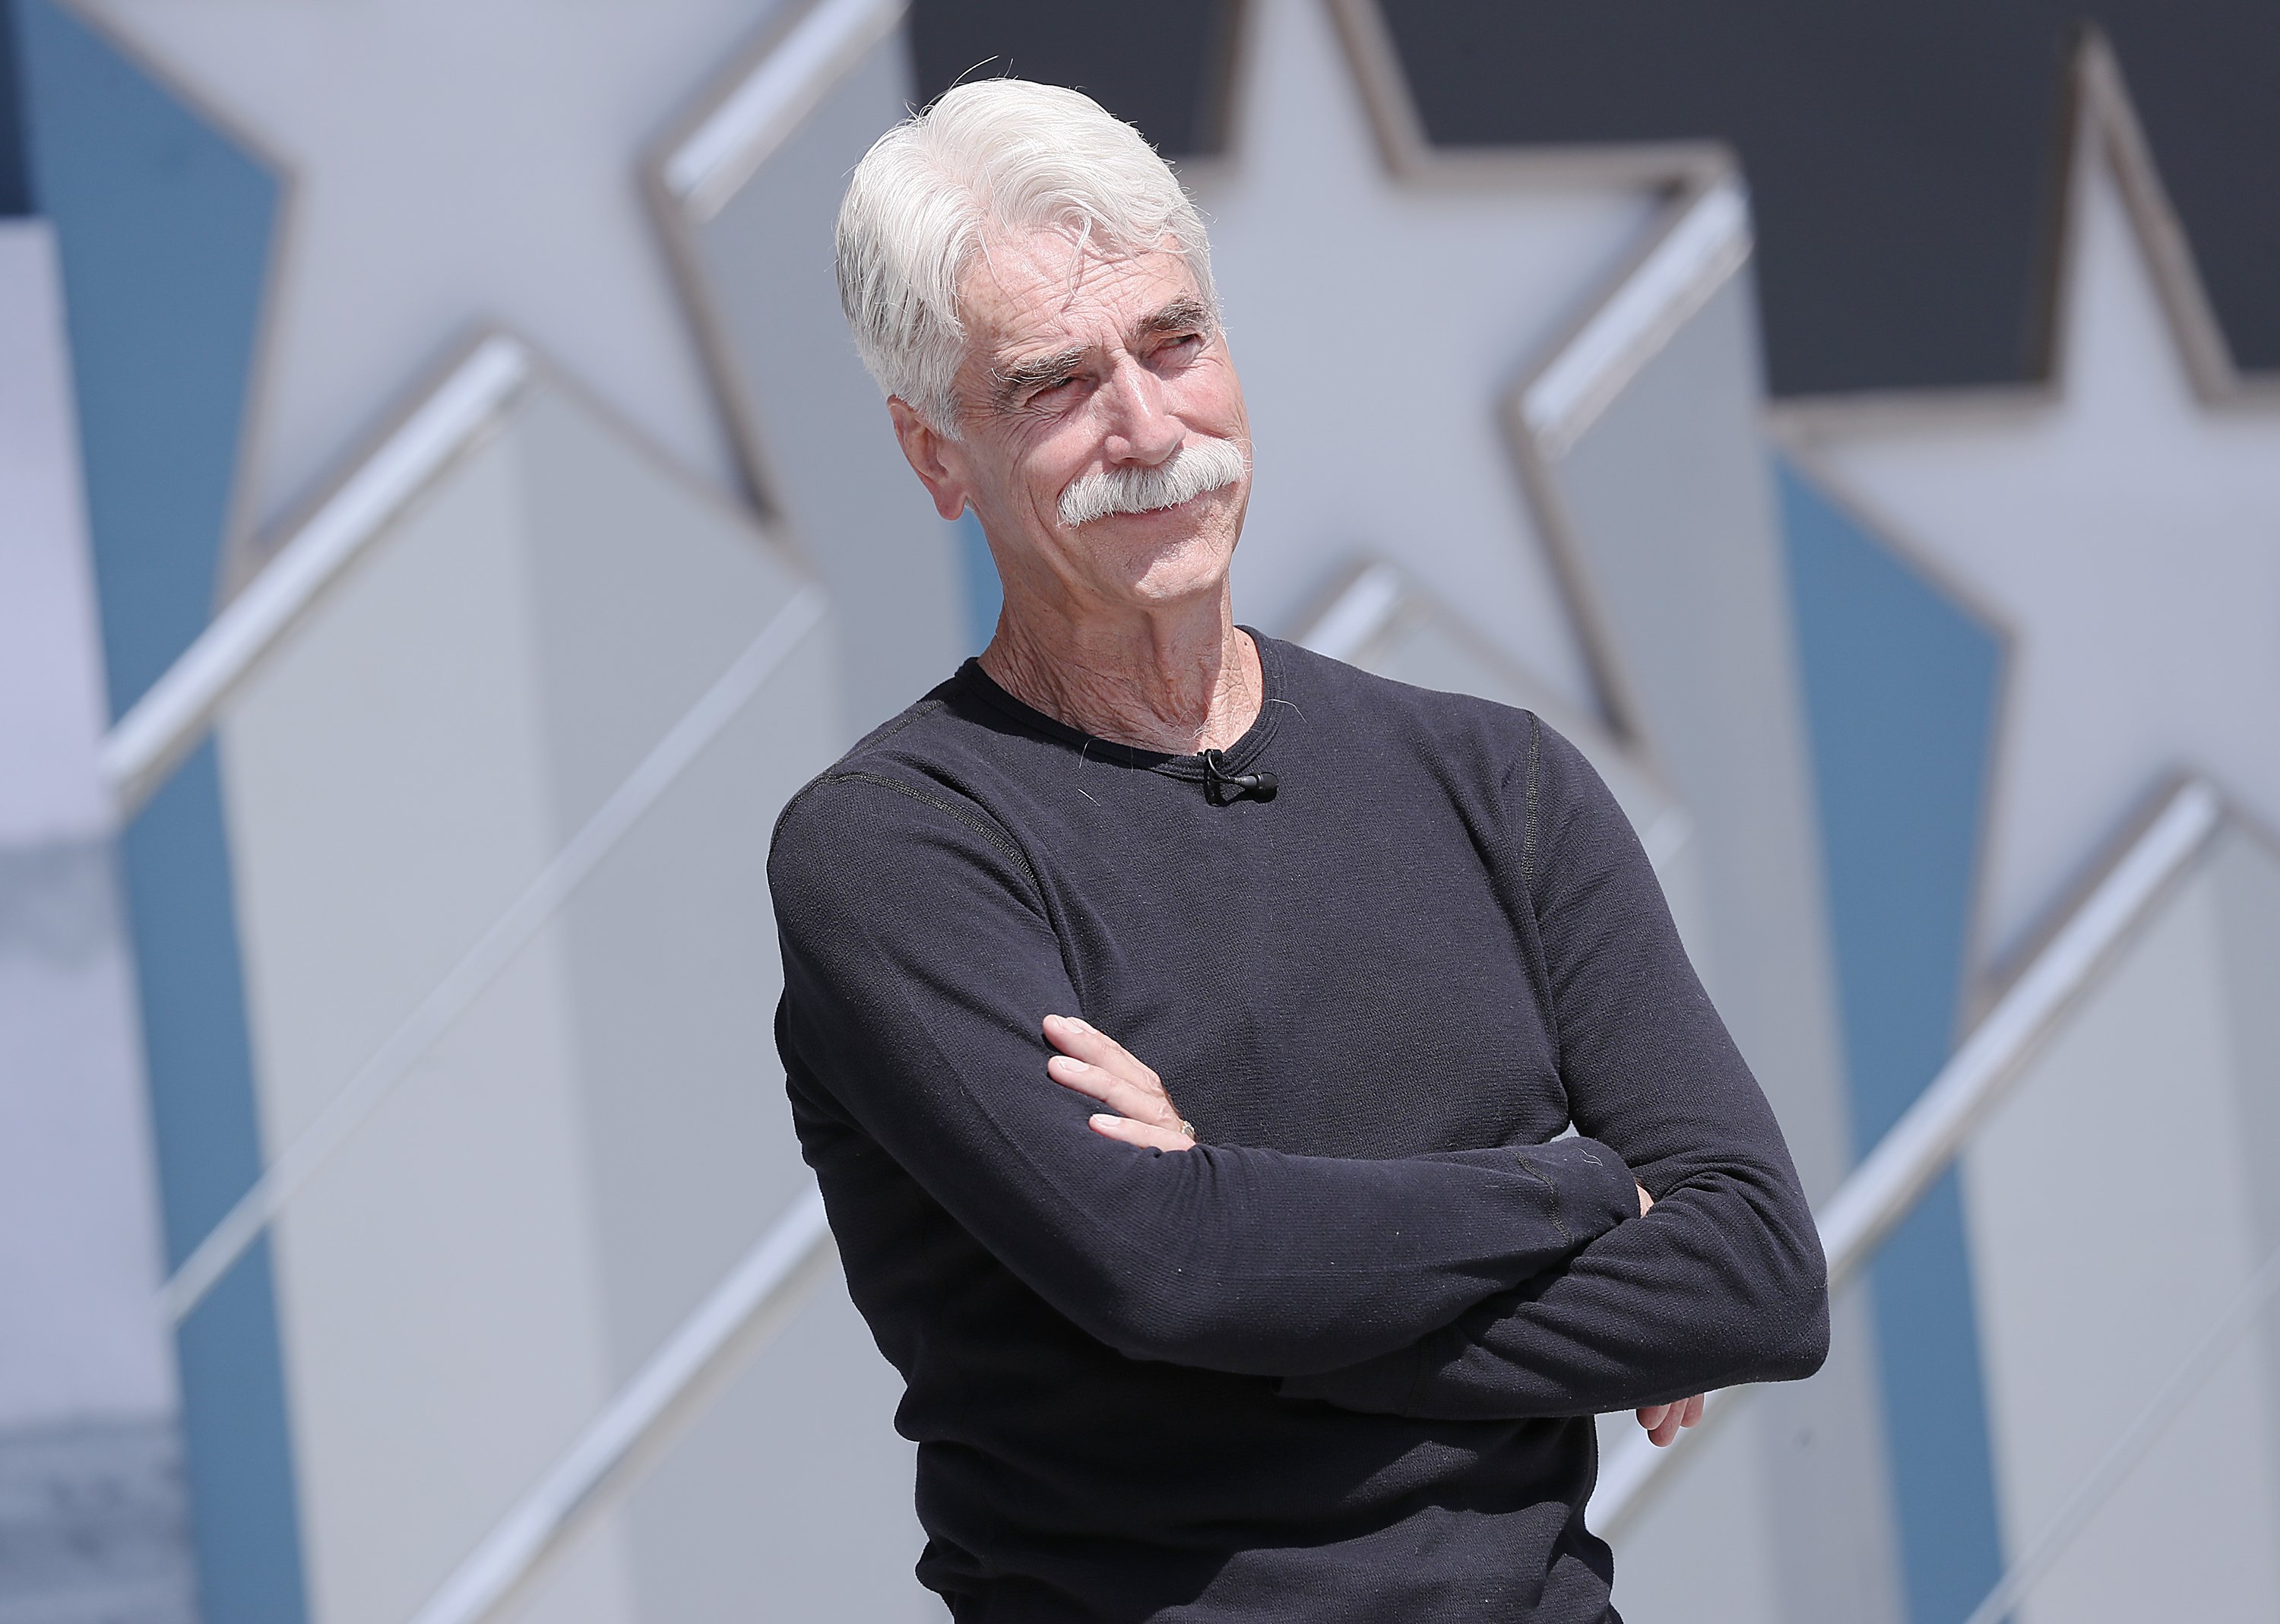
1185,314
1017,377
1014,378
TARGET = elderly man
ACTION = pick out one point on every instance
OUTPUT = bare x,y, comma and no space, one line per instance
1306,1317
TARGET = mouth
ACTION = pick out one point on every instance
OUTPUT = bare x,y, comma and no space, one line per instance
1183,505
1159,525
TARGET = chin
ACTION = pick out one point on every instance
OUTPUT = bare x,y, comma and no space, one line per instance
1168,556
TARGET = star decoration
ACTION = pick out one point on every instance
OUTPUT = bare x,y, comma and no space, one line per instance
1897,155
1350,258
1436,280
454,165
2124,519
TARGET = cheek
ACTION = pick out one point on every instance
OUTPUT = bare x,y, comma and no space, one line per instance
1208,398
1047,467
1024,471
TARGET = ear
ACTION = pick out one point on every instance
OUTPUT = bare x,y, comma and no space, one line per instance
933,457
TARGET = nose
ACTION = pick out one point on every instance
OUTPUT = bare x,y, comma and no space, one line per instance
1141,429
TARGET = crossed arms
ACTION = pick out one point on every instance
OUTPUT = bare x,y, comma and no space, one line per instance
1140,1112
1500,1282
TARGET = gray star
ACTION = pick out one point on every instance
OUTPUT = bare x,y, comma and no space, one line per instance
454,164
2125,518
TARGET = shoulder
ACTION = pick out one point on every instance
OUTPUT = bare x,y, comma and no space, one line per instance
1450,728
901,787
1538,777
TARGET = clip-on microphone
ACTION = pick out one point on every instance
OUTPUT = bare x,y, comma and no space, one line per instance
1222,786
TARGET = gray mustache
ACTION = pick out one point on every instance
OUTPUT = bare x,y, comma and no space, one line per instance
1198,466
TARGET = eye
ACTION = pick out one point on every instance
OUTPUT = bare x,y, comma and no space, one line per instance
1047,390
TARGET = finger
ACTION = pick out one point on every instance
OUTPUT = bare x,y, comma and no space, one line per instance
1675,1417
1086,1045
1144,1134
1650,1416
1128,1099
1086,1080
1094,1047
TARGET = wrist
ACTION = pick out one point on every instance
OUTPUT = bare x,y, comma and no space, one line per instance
1596,1191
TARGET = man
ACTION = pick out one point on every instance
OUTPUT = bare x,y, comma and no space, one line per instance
1308,1321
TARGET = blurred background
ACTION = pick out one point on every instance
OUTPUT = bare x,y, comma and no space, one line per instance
441,519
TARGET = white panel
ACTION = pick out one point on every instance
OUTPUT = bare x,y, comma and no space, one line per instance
590,1571
1775,1517
78,1228
2113,1206
348,803
573,1164
1700,1551
1376,322
1676,539
815,430
1826,1497
387,789
443,1324
79,1254
91,1512
812,1535
2126,530
1667,513
2248,882
474,166
51,701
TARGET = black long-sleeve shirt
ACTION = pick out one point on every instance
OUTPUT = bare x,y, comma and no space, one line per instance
1338,1362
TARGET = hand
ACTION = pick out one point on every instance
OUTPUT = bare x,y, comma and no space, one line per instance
1646,1201
1663,1422
1099,1067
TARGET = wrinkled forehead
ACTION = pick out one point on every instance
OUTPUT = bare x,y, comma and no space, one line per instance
1048,290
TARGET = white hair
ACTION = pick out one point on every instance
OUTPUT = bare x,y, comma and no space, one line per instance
995,157
1203,463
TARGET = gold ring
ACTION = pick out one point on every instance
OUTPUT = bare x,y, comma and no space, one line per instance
1189,1128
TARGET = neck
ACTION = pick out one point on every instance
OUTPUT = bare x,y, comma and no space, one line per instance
1179,679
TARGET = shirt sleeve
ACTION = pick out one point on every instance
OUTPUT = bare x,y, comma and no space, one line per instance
919,965
1724,1282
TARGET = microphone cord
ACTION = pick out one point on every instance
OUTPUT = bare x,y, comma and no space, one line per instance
1222,786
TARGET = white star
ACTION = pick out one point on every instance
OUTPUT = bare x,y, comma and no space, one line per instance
455,164
1378,319
2126,521
1379,310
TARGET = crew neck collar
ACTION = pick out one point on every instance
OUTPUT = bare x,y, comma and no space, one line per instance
982,686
